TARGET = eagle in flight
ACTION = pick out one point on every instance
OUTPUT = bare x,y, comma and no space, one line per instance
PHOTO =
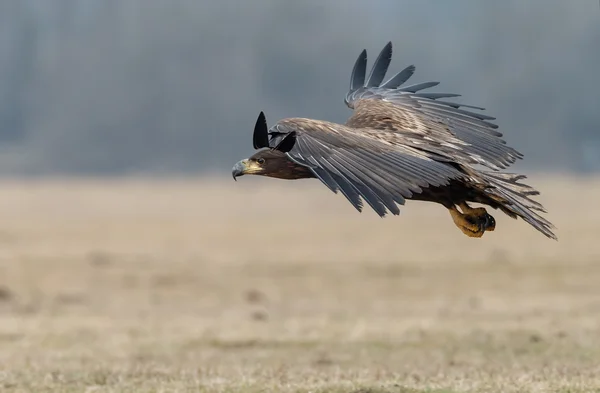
401,143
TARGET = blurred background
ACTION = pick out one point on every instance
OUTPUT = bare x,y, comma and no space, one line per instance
150,86
130,260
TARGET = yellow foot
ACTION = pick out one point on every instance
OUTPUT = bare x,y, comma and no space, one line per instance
474,221
490,222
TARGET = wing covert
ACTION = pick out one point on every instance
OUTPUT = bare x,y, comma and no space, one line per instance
361,167
408,109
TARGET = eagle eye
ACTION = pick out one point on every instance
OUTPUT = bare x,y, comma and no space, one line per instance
261,161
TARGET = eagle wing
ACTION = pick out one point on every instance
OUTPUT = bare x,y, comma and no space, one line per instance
425,121
375,165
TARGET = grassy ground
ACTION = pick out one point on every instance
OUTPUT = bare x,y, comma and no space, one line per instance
267,286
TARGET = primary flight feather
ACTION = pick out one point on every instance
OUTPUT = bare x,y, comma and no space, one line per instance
401,143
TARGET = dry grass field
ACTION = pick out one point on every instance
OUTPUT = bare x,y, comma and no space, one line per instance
199,285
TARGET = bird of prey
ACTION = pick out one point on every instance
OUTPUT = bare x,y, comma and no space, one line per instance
401,143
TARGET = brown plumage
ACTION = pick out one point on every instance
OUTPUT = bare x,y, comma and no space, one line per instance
401,143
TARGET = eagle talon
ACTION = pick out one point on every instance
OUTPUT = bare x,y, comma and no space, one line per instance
485,221
472,222
490,223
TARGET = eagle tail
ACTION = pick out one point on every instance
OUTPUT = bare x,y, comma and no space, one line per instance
513,198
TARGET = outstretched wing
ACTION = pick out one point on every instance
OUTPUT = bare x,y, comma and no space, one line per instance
382,171
426,120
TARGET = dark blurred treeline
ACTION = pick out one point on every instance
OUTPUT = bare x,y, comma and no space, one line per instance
125,86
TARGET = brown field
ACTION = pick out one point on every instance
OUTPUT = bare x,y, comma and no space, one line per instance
270,286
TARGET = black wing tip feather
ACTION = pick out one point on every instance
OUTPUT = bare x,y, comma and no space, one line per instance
401,77
359,71
419,86
260,138
380,66
359,79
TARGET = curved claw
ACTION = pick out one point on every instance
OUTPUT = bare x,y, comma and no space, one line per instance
490,222
473,222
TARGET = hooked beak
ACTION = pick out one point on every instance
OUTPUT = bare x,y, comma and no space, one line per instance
239,169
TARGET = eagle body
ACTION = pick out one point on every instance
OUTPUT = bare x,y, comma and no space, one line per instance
401,143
